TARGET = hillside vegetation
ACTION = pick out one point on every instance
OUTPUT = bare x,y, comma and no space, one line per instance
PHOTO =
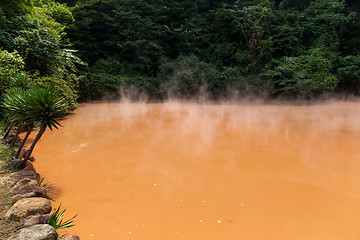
183,48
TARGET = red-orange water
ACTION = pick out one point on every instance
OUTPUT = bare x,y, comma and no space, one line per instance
207,172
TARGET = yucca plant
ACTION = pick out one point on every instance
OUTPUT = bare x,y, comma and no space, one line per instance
18,85
44,184
36,105
12,104
44,106
56,219
47,188
20,81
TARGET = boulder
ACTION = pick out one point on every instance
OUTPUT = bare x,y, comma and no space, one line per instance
36,232
26,195
72,237
29,166
39,191
24,151
22,183
17,176
38,219
17,163
28,206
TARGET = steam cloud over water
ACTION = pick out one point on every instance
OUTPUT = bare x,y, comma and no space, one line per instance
203,171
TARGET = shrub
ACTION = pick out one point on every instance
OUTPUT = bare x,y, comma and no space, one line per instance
64,84
11,65
308,73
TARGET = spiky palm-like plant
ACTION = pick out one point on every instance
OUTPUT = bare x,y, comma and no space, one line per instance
20,81
44,106
12,103
18,84
37,105
56,219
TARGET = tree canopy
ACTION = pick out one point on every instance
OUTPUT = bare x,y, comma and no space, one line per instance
163,48
33,42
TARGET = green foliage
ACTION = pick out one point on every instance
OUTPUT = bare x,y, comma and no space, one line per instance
349,74
102,78
65,85
35,45
11,64
44,184
44,106
278,47
60,13
188,77
34,105
20,81
56,220
252,22
47,188
310,73
235,83
13,102
96,85
14,7
100,82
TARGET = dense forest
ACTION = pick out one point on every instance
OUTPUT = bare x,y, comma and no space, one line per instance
87,49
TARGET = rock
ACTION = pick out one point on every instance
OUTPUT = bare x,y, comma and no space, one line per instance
17,163
39,191
39,219
17,176
21,184
36,232
24,151
72,237
29,166
26,195
22,165
28,206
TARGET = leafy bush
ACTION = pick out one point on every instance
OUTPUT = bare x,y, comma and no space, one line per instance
235,82
95,85
11,65
36,31
65,85
310,73
106,77
349,74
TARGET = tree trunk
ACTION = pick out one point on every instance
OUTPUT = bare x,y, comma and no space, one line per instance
8,121
19,130
9,130
29,129
38,136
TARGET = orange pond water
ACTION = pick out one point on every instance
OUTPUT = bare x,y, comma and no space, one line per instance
207,172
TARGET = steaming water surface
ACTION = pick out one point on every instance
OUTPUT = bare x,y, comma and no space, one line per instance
217,172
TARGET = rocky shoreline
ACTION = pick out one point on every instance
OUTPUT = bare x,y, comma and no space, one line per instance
30,205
